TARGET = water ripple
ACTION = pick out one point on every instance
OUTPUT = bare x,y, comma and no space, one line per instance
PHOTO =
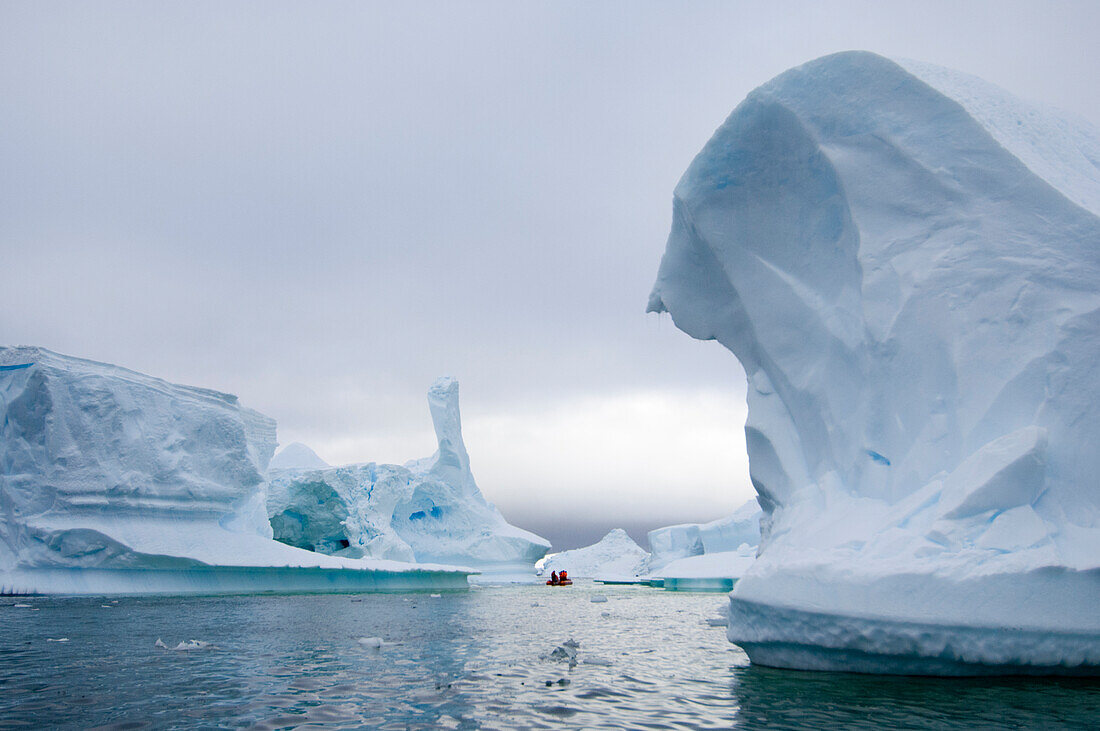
477,660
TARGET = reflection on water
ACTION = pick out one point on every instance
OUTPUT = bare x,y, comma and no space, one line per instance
469,660
786,699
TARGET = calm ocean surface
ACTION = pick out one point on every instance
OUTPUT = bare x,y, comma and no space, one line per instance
469,660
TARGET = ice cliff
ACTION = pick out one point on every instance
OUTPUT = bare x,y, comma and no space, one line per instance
905,261
705,556
616,555
427,510
114,481
673,542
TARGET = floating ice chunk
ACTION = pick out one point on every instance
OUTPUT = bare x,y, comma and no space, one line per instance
160,643
22,606
565,654
59,639
598,599
188,645
435,596
373,643
718,621
605,615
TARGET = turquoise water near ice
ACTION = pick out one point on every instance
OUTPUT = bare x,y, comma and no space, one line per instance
474,659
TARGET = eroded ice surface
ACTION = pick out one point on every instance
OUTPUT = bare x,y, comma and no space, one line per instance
905,261
114,481
426,510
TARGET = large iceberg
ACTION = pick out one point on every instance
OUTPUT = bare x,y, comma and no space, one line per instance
112,482
614,557
427,510
905,260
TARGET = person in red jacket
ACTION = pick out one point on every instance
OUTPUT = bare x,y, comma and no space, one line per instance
554,580
564,576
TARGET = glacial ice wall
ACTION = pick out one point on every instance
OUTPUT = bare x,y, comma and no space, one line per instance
905,261
427,510
114,481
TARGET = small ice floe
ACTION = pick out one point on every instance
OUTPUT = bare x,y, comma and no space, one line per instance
718,621
22,606
534,604
596,660
566,652
598,599
193,645
375,643
106,606
160,643
435,596
58,639
605,615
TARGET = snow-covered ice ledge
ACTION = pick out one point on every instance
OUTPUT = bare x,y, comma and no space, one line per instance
905,261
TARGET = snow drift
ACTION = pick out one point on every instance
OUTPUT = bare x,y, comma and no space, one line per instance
614,556
427,510
905,261
113,481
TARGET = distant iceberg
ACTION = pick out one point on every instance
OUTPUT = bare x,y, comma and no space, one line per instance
684,540
116,482
427,510
297,456
906,262
705,556
615,556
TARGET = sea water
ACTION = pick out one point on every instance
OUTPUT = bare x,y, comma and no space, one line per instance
478,659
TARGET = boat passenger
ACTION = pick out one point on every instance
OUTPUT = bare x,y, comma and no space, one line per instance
554,581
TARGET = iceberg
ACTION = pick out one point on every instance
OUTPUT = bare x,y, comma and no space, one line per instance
615,556
297,456
705,556
674,542
428,510
112,481
905,261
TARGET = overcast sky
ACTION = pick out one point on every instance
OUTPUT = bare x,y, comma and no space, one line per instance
321,207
